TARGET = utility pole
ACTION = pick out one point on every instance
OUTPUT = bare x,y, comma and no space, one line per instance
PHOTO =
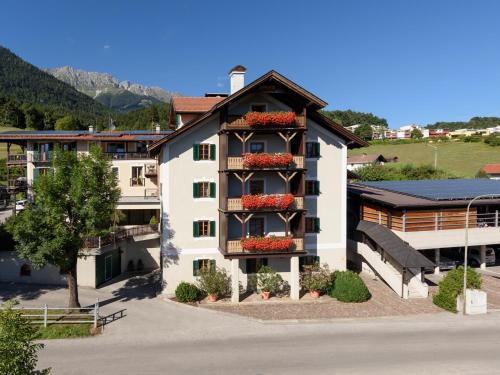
435,155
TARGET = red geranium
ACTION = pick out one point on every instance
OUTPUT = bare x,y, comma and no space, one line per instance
261,201
266,243
265,160
280,119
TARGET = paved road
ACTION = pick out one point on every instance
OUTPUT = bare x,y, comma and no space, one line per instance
158,337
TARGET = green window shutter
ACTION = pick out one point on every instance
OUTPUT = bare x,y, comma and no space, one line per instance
316,225
212,265
212,229
316,187
196,229
316,259
177,120
196,152
212,190
196,190
196,267
212,152
316,149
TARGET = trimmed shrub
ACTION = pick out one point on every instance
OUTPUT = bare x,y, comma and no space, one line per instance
452,286
215,282
349,287
187,292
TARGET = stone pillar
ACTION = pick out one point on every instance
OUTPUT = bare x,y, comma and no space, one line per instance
235,280
294,278
437,259
482,255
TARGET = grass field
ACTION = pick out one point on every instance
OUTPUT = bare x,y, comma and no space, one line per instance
461,159
3,146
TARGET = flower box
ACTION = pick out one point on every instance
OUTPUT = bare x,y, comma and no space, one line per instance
261,201
278,119
265,160
266,243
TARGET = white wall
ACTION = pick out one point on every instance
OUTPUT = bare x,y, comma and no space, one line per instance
10,266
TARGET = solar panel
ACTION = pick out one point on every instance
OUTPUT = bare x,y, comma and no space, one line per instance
460,189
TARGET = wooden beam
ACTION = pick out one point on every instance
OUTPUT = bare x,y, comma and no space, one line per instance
292,216
285,178
282,136
248,218
238,218
239,137
293,135
238,177
282,217
250,135
249,176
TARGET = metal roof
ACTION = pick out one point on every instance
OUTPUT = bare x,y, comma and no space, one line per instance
392,244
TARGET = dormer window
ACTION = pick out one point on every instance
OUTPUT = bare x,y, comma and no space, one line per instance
258,108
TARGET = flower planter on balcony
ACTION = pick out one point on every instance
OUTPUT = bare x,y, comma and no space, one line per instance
235,246
267,243
265,160
262,202
270,119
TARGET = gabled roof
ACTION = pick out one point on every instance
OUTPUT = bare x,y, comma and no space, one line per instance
183,104
492,168
314,104
365,158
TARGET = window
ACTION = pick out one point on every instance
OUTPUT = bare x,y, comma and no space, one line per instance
258,108
256,187
203,228
257,147
254,265
136,179
312,150
203,151
203,265
312,187
115,171
307,262
256,227
115,147
312,225
25,270
204,190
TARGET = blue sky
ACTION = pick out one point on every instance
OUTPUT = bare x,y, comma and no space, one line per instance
410,61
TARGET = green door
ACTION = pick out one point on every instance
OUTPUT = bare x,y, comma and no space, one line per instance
107,266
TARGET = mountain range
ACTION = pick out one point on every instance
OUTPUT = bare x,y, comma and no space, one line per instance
123,96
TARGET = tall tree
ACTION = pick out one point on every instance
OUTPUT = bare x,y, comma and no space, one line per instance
364,131
72,203
66,123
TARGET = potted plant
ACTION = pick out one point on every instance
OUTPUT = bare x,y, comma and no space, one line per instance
214,282
268,281
271,243
267,160
316,279
267,201
153,222
277,119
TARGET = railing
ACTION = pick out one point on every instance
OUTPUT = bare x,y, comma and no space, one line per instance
114,237
239,122
58,315
151,193
137,181
17,159
40,157
128,155
150,170
236,162
438,221
235,204
234,246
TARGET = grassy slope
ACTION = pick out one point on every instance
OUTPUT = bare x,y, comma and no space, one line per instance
461,159
3,146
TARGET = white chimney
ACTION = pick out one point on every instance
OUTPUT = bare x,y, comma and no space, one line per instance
91,128
158,128
237,78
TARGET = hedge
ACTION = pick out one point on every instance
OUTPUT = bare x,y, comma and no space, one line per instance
187,292
452,286
349,287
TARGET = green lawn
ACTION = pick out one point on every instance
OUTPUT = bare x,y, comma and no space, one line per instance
461,159
63,331
3,146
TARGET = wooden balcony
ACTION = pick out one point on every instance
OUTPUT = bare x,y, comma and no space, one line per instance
238,122
236,163
235,204
16,159
234,247
151,170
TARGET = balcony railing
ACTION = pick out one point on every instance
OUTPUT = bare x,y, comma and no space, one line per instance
238,122
128,155
17,159
114,237
436,221
236,162
234,247
137,181
40,157
235,204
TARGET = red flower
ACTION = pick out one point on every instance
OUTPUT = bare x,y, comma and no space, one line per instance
280,119
275,201
266,243
264,160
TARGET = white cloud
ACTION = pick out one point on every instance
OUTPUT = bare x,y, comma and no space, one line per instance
107,46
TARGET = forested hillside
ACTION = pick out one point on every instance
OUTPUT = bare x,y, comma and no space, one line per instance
473,123
348,118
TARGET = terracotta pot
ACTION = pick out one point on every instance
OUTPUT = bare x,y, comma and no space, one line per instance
212,298
314,293
265,295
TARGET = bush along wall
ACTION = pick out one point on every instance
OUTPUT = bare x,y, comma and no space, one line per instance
452,286
349,287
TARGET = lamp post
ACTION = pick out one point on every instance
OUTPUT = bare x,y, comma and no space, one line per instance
435,155
466,247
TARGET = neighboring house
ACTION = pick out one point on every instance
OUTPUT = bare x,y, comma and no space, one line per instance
136,244
358,161
400,229
377,130
492,170
203,177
